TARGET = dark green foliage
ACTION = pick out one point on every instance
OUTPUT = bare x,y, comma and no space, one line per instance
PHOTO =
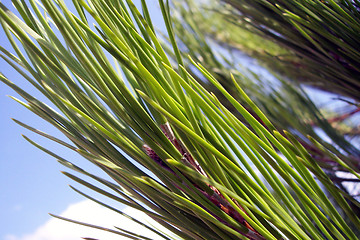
324,34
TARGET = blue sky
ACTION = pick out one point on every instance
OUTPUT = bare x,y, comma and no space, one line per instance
30,181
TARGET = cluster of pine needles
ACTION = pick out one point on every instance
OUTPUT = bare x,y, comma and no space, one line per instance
170,146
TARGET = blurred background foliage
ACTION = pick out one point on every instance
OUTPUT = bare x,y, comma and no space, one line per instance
257,45
323,34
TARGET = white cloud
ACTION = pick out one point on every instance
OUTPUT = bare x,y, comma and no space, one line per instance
352,187
89,212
